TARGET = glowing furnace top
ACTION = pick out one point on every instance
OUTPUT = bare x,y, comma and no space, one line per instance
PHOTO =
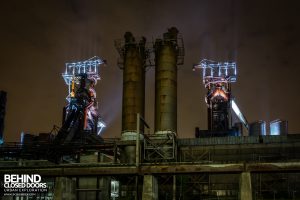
214,72
89,67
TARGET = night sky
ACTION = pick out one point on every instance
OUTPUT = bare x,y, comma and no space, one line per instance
38,37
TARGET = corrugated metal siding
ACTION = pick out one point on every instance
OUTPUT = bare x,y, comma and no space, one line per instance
238,140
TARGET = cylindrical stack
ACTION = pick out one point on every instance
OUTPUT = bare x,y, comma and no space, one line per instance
166,82
133,82
133,91
257,128
279,127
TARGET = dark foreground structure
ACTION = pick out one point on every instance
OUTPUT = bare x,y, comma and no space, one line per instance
220,163
253,167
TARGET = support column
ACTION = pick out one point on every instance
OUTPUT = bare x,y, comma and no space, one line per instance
150,188
174,187
245,186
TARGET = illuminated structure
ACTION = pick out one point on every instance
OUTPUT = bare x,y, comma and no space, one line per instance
75,70
217,78
278,127
255,167
81,115
77,75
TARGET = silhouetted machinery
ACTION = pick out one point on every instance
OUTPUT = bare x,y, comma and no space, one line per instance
81,121
217,78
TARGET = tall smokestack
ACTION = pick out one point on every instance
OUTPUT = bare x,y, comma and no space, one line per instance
168,53
2,113
133,64
133,82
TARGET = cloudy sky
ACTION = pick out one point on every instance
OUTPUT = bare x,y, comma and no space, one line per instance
37,37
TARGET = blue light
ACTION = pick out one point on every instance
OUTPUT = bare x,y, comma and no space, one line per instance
89,67
238,113
274,129
74,70
279,127
100,126
219,71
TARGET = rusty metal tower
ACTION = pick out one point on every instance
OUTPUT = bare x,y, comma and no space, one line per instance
169,53
133,56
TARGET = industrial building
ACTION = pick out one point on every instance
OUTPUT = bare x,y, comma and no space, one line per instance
233,159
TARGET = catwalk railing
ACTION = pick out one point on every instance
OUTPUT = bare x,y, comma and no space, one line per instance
199,150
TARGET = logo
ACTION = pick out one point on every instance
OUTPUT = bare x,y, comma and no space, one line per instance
23,185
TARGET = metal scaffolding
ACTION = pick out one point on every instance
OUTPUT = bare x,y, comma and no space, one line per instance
204,169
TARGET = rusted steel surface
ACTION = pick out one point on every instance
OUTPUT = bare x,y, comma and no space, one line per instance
85,170
133,82
192,168
72,170
273,167
166,82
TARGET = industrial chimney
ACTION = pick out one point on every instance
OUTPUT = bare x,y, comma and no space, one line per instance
169,53
133,65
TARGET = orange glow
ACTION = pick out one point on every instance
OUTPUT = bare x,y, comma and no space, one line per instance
219,92
73,89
